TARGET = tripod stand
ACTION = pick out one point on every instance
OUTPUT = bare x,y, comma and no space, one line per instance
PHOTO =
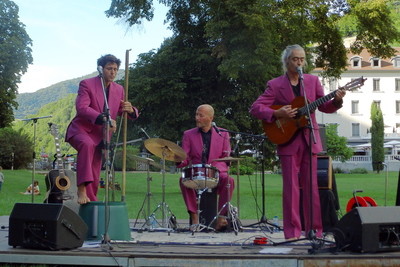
199,227
263,220
166,150
34,120
232,213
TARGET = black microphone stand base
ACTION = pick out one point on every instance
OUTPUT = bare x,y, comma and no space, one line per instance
264,222
316,243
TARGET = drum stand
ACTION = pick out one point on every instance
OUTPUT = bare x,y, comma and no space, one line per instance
199,227
168,221
232,214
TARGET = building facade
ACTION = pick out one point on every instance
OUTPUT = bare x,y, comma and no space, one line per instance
382,86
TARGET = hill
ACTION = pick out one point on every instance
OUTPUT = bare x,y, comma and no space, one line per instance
30,103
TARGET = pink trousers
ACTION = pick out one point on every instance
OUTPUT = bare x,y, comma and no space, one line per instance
296,175
190,195
89,163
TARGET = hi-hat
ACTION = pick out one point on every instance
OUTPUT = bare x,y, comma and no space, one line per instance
165,149
147,161
228,159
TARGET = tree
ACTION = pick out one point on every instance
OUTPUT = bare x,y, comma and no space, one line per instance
377,137
15,56
16,149
337,145
223,52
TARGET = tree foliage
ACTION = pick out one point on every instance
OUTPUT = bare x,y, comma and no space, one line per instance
377,137
16,149
15,56
337,145
223,52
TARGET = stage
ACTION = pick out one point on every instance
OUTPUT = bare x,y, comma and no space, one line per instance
181,247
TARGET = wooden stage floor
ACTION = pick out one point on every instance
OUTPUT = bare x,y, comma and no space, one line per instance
182,248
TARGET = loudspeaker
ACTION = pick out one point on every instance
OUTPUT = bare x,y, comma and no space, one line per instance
324,172
50,226
369,229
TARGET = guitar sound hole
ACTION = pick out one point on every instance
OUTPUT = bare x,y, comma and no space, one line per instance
63,182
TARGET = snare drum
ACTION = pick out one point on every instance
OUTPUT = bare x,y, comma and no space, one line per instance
200,176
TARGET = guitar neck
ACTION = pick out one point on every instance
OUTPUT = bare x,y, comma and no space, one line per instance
59,159
317,103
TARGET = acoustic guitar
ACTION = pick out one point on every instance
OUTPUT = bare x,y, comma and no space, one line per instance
281,130
61,184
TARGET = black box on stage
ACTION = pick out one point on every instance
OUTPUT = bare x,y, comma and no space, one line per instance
324,172
369,229
50,226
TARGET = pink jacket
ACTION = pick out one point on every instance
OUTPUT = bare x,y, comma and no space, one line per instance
279,92
192,144
90,104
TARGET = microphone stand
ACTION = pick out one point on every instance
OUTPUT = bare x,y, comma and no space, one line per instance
34,120
106,150
263,220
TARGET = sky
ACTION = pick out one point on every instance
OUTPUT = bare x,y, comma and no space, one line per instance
69,36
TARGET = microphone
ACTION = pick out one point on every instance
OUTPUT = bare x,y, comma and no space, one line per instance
214,125
100,70
300,72
145,133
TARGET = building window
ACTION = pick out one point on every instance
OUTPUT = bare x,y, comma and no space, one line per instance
397,106
376,85
356,62
354,106
396,62
355,129
378,103
375,62
397,84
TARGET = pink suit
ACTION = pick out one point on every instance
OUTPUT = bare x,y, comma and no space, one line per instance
294,155
220,147
85,136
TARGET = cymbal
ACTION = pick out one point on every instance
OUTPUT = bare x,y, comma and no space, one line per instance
228,159
165,149
147,161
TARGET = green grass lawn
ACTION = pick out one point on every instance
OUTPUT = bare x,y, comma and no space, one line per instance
372,184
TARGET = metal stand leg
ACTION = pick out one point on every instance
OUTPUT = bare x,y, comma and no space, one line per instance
168,221
199,227
232,214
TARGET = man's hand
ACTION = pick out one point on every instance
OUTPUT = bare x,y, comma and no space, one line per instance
126,106
285,112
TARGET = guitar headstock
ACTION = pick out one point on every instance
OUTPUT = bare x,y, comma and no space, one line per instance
53,129
354,84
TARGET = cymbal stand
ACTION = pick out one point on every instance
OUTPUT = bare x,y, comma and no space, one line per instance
232,214
166,213
147,199
199,227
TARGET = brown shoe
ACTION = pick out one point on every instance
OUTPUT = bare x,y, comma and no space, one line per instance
221,225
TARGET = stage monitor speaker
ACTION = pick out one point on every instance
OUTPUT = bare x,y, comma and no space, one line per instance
369,229
50,226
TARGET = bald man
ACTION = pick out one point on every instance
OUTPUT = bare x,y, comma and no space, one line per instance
203,144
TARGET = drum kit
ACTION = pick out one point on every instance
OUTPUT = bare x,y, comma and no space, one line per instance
200,177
